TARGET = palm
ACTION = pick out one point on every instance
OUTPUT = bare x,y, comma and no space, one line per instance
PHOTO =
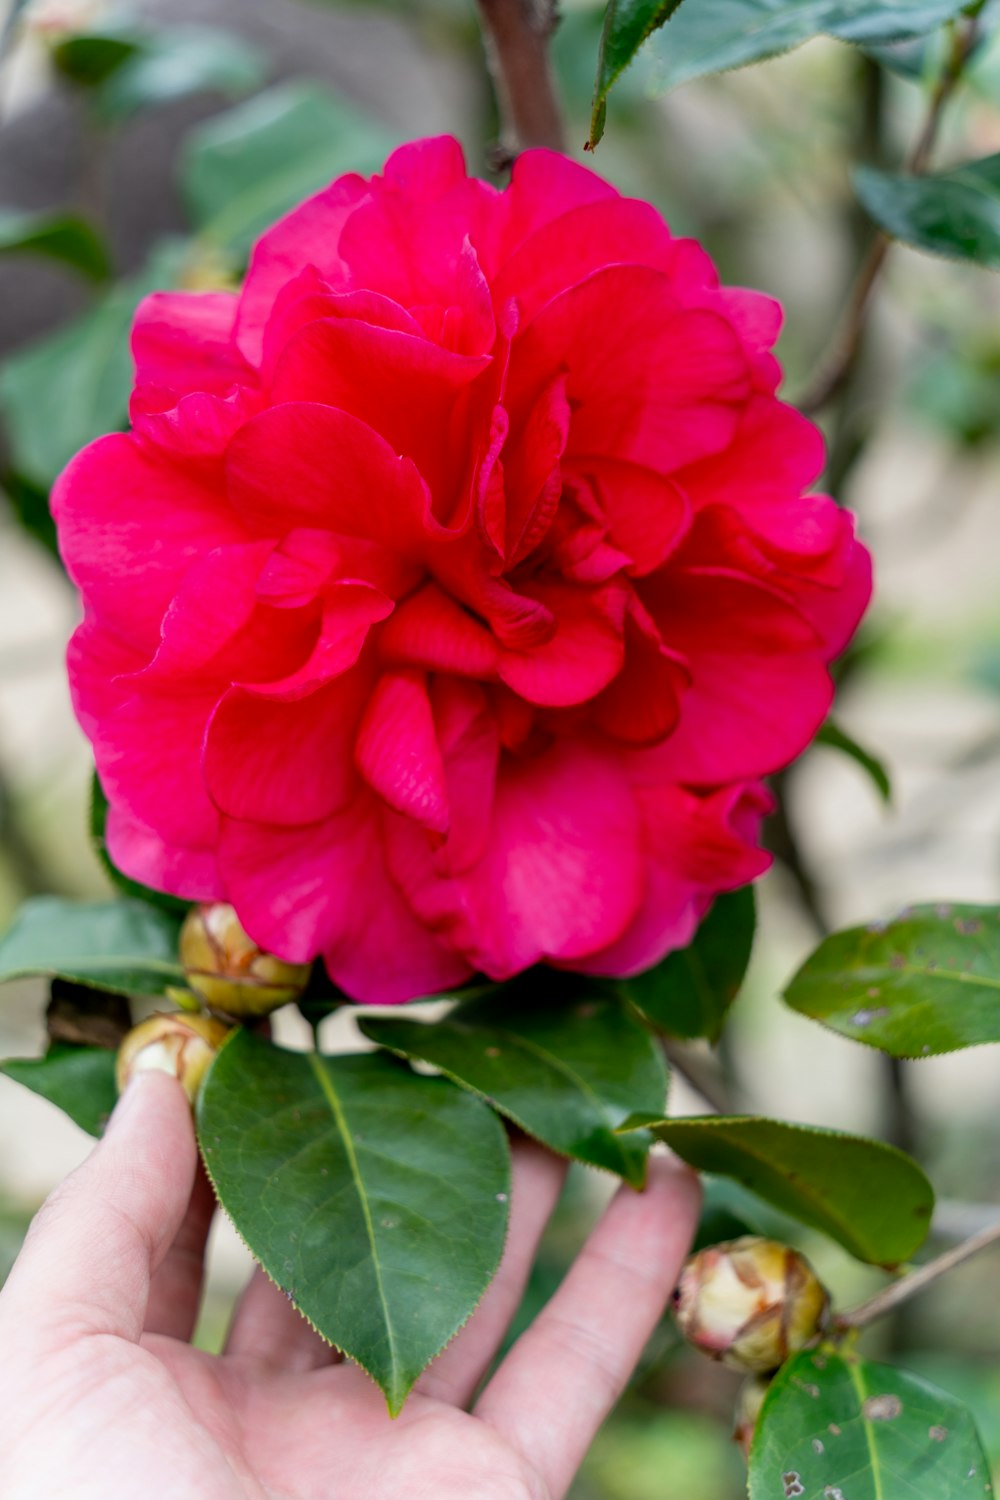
239,1432
106,1398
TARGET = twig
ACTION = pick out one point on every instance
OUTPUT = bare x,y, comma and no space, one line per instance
901,1291
699,1073
516,35
846,344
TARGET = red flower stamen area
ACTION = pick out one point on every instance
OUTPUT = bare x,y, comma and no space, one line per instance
456,583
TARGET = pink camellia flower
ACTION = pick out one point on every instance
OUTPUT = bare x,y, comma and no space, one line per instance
455,584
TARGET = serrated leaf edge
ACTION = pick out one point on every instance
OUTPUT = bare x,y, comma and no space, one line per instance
394,1401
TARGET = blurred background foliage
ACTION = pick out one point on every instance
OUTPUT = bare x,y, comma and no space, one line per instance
146,146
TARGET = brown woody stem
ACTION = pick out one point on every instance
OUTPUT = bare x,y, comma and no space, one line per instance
901,1291
516,35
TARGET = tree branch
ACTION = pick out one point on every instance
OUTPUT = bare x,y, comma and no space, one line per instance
901,1291
844,351
706,1080
516,35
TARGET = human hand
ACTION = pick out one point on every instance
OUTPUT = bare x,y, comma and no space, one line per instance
102,1396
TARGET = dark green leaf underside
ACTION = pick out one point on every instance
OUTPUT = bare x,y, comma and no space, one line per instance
123,946
689,994
60,236
927,982
841,1428
869,1197
711,36
954,213
376,1198
79,1080
568,1070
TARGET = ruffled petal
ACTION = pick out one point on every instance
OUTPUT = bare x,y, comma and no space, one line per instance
286,762
696,847
130,526
759,685
564,848
324,889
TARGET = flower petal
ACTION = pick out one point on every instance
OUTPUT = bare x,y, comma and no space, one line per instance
397,750
324,889
697,846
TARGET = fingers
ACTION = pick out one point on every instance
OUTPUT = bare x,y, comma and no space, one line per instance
268,1329
538,1180
175,1292
91,1252
564,1375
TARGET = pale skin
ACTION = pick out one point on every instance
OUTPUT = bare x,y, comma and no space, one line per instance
102,1396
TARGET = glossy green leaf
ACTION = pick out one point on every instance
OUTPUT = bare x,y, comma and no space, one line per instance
954,213
564,1062
123,946
834,738
58,236
837,1427
123,883
181,61
924,983
245,168
64,390
78,1080
627,24
869,1197
689,993
714,35
376,1198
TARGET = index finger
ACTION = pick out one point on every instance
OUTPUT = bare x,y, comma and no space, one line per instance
564,1375
90,1254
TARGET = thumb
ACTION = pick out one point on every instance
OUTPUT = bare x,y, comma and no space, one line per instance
89,1256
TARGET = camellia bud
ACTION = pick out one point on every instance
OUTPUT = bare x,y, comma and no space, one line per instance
228,970
180,1044
748,1405
750,1303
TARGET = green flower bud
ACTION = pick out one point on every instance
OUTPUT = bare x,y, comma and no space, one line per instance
228,970
750,1303
180,1044
748,1404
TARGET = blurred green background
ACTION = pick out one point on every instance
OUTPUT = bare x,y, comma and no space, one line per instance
147,146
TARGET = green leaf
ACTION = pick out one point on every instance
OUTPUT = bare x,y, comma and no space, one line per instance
123,946
128,887
59,236
627,24
78,1080
869,1197
90,57
690,992
954,213
377,1199
835,738
243,169
714,35
925,983
564,1062
836,1427
63,391
181,61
